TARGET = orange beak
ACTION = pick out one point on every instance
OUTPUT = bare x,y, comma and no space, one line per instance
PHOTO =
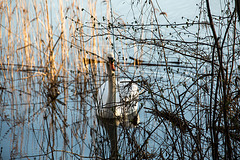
112,66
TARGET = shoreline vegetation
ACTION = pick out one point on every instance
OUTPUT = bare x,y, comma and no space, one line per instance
52,56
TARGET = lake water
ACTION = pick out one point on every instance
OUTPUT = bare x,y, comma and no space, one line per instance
48,94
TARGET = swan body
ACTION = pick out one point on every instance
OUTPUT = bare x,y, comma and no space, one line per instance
117,98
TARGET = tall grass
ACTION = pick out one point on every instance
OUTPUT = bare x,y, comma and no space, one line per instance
41,55
51,65
50,54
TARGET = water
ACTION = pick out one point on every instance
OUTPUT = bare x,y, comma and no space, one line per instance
48,93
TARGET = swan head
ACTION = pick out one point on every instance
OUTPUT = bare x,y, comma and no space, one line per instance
111,61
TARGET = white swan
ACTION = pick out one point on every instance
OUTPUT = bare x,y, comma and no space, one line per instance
116,98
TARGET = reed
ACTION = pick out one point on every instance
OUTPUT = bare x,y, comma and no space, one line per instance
52,56
35,48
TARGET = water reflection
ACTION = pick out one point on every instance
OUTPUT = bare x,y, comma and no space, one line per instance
58,122
114,129
50,71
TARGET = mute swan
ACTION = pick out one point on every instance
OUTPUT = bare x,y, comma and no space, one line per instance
116,98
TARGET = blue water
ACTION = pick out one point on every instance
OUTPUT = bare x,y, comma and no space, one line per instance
27,114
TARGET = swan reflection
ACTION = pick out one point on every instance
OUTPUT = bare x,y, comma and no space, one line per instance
115,129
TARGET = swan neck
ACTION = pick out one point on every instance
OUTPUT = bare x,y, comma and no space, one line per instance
111,87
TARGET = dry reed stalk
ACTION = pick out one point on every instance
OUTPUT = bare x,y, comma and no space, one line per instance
9,56
52,80
12,57
64,51
109,21
106,46
25,31
29,58
1,38
81,65
1,17
52,69
98,49
9,36
38,33
93,47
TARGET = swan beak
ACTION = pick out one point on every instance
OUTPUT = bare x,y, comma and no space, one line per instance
112,66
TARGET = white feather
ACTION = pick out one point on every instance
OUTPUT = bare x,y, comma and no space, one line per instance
116,98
